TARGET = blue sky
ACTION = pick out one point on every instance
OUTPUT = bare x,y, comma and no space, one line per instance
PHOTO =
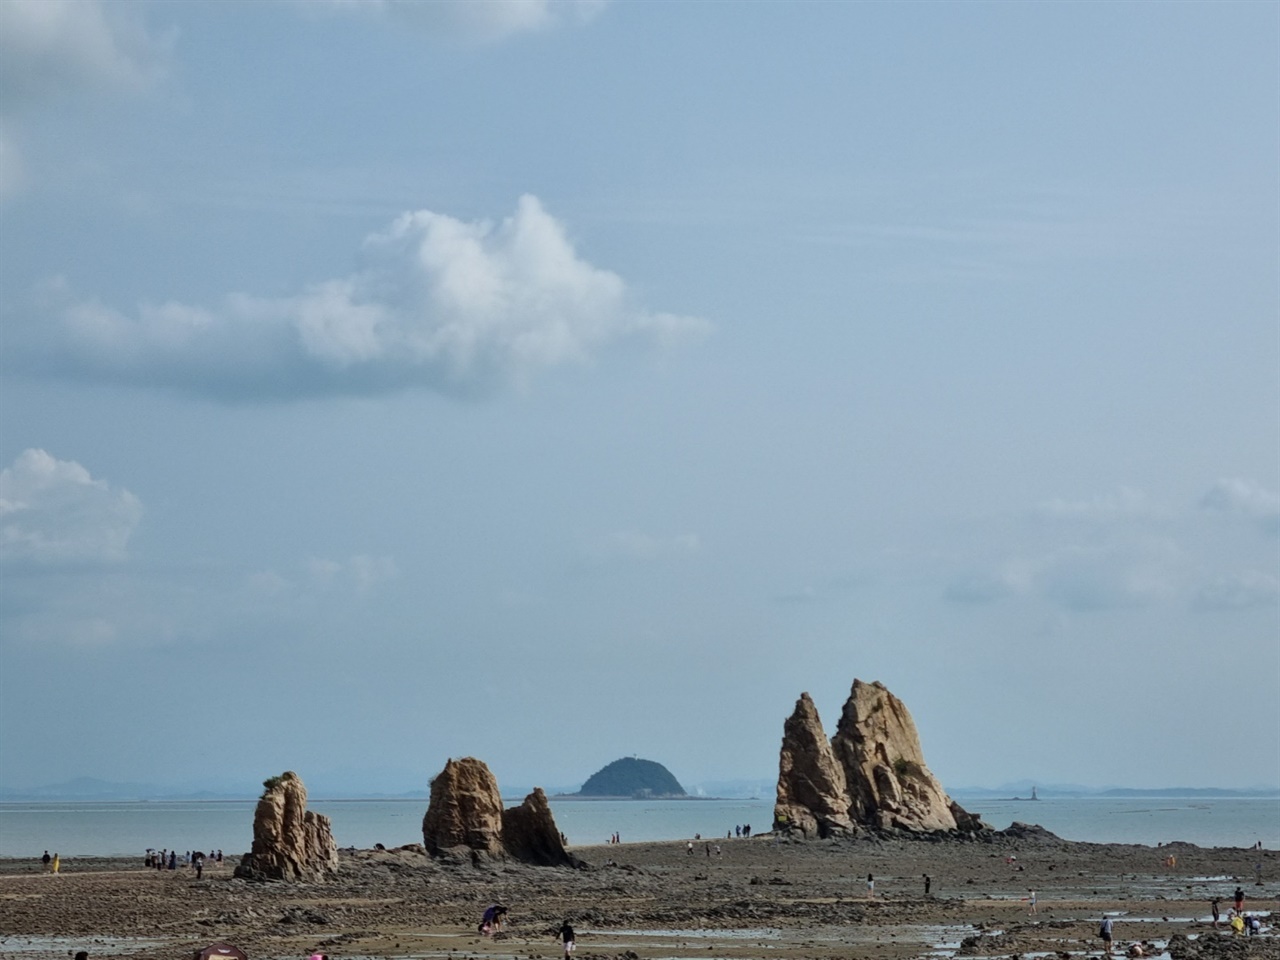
551,382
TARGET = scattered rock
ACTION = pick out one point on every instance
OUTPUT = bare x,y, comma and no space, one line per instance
1030,832
303,915
1222,947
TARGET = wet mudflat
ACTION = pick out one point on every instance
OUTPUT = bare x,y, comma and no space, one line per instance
650,901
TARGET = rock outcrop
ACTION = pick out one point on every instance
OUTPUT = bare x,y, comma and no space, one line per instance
465,819
530,834
464,815
889,786
813,799
870,775
289,842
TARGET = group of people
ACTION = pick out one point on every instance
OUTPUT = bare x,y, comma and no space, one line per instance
708,846
169,860
1241,924
495,915
51,864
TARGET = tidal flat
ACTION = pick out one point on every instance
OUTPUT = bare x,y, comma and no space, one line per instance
750,898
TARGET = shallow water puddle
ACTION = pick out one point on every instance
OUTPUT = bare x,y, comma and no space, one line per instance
18,946
749,933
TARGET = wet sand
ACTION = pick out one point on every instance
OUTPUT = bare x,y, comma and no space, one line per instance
755,899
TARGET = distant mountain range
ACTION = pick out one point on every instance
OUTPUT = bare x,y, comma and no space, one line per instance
92,789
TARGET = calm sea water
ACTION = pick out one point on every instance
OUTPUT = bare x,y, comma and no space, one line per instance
124,829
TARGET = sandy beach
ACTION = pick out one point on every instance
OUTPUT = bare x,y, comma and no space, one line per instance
753,898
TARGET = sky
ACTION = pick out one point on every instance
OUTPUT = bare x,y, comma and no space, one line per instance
551,381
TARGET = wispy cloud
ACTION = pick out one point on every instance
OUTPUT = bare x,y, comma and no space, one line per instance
1246,499
459,308
1126,573
1239,591
361,572
357,575
1125,503
54,512
490,20
52,49
1123,550
637,545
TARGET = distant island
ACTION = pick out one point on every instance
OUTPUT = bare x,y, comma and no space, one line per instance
632,777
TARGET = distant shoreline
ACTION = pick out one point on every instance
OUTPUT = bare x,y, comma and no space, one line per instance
971,795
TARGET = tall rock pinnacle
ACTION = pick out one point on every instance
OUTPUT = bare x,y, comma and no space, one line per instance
812,796
870,775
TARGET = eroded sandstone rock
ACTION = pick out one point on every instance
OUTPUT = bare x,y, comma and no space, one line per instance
530,834
812,796
289,841
877,745
464,814
465,819
871,774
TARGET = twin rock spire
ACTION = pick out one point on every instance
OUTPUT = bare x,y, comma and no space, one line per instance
870,776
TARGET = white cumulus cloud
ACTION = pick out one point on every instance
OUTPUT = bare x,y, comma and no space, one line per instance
449,305
53,511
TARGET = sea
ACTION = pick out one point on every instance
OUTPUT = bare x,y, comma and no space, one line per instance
111,829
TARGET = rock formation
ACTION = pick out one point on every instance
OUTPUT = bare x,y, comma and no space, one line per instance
871,774
530,834
289,842
889,786
464,815
812,796
465,819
